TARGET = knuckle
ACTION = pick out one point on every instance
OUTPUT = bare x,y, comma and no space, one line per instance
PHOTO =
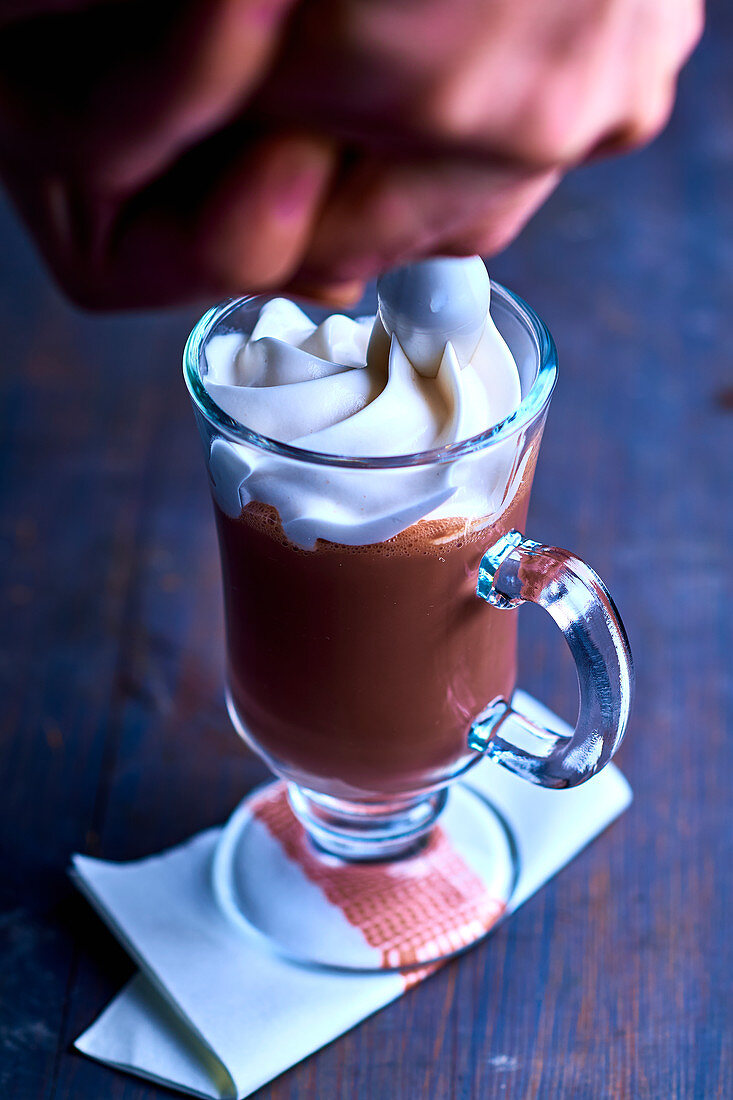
557,122
449,116
649,121
544,128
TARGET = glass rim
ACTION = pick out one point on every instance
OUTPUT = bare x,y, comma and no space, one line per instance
531,406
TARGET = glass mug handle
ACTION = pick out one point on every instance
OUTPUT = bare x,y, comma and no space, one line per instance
517,569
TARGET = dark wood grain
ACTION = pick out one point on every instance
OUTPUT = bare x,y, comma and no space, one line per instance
615,981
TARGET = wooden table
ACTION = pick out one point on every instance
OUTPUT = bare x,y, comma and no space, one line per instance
615,980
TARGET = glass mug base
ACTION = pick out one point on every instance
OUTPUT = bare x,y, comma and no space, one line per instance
444,894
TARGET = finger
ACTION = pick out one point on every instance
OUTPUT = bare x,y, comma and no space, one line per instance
534,84
338,295
173,243
381,214
609,77
196,85
254,229
503,221
647,120
155,95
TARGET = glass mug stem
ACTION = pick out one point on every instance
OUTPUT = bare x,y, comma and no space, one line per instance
360,831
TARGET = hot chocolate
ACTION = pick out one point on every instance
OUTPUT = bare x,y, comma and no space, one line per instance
359,652
357,670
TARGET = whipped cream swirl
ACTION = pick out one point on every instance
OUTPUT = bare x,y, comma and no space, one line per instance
430,369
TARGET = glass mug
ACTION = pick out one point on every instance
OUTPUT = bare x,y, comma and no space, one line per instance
371,676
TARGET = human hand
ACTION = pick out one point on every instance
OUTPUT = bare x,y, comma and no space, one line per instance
126,144
232,145
465,113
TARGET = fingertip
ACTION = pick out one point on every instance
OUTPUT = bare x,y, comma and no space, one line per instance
339,294
258,223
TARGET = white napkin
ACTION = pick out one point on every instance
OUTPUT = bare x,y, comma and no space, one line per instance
217,1014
